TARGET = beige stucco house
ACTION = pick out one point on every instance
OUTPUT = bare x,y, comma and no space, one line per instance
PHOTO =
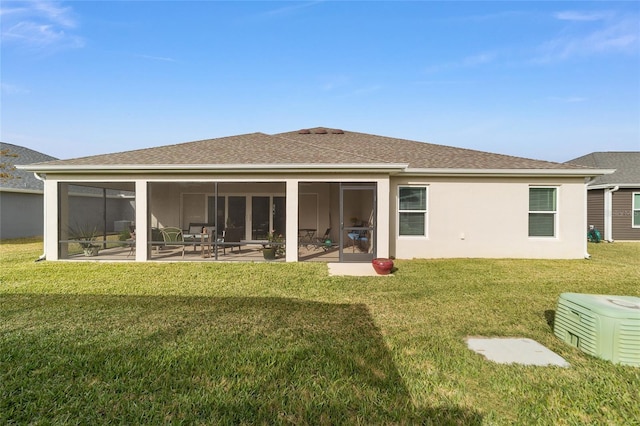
381,195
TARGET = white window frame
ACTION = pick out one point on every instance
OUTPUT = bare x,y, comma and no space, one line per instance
634,208
425,212
555,213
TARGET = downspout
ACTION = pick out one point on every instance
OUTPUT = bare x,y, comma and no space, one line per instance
104,218
215,222
608,212
43,256
586,214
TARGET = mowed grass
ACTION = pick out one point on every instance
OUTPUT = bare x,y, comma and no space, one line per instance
217,343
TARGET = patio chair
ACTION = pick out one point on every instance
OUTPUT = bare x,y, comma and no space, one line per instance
363,240
131,242
156,238
233,235
325,241
219,244
173,238
359,237
209,240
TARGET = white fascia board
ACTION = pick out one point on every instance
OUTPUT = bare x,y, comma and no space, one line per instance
613,185
508,172
23,191
391,168
226,168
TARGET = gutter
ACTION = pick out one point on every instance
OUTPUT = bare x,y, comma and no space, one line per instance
392,168
509,172
25,191
608,212
212,168
43,256
21,191
618,185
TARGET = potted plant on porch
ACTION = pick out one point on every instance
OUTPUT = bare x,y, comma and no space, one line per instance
274,247
382,265
86,236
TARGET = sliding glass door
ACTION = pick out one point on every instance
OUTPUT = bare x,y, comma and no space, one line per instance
260,217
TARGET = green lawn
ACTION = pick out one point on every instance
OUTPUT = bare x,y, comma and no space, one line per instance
215,343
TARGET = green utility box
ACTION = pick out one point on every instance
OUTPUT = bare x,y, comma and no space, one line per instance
604,326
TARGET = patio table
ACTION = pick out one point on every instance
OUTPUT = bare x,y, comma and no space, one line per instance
203,240
263,243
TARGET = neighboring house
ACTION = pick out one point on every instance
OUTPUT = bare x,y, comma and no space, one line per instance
21,205
410,199
21,199
614,199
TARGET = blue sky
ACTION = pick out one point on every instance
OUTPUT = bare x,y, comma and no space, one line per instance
545,80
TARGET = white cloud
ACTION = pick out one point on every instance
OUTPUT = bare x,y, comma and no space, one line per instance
41,35
281,12
470,61
287,10
590,34
582,16
156,58
498,16
12,89
55,13
479,59
40,25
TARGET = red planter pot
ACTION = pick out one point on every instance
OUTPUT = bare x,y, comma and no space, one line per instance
382,266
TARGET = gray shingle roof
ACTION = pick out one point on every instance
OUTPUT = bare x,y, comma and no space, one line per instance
626,163
313,147
416,154
23,180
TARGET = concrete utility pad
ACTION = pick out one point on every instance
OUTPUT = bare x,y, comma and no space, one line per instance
515,351
353,269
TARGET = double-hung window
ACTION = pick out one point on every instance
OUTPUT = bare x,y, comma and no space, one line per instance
636,210
543,211
412,211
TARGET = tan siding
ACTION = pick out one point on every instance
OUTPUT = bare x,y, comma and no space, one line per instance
622,216
595,208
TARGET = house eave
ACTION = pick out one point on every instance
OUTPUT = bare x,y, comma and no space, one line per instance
613,185
23,191
387,168
507,172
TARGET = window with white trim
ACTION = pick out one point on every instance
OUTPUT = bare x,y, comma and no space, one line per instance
412,211
543,211
636,210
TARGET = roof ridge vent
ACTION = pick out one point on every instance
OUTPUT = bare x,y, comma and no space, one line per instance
321,131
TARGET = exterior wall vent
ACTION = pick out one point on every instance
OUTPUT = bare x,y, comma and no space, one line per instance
603,326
